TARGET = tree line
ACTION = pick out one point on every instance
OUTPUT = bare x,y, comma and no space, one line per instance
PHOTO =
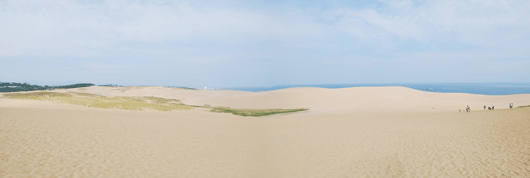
14,87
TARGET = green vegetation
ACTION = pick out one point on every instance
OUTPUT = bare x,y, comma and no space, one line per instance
523,106
36,95
110,85
128,88
161,100
254,112
85,94
98,101
15,87
138,103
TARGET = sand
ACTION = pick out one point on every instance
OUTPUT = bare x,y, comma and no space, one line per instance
350,132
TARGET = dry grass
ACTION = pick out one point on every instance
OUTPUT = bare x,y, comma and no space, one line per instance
98,101
85,94
160,100
255,112
138,103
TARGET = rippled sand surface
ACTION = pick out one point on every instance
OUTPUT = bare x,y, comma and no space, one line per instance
43,139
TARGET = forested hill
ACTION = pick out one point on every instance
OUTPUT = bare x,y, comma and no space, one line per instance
13,87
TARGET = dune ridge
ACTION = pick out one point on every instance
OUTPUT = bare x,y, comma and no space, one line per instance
357,99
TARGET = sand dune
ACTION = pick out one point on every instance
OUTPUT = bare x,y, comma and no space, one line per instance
351,132
357,99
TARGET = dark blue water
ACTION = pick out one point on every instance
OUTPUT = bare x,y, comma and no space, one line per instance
472,88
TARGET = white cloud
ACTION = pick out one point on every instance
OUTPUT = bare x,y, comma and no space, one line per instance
77,28
50,27
470,22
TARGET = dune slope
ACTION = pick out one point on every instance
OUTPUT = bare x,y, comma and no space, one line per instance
44,139
357,99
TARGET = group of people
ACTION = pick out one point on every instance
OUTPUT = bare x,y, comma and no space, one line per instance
468,109
492,107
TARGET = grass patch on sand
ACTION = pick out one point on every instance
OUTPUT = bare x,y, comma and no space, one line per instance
160,100
523,106
98,101
254,112
85,94
138,103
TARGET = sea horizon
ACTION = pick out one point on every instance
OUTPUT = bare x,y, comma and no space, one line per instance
497,88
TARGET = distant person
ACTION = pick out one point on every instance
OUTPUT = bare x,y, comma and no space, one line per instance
489,108
484,107
493,107
511,105
468,109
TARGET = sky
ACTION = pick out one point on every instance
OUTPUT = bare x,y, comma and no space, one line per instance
251,43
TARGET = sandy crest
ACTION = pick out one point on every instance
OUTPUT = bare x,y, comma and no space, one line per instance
368,99
44,139
358,99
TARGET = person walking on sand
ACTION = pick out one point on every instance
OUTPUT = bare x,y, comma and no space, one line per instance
493,107
484,107
511,105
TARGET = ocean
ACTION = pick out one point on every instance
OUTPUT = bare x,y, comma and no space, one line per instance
472,88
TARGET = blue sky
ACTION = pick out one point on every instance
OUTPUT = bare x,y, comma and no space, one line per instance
247,43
